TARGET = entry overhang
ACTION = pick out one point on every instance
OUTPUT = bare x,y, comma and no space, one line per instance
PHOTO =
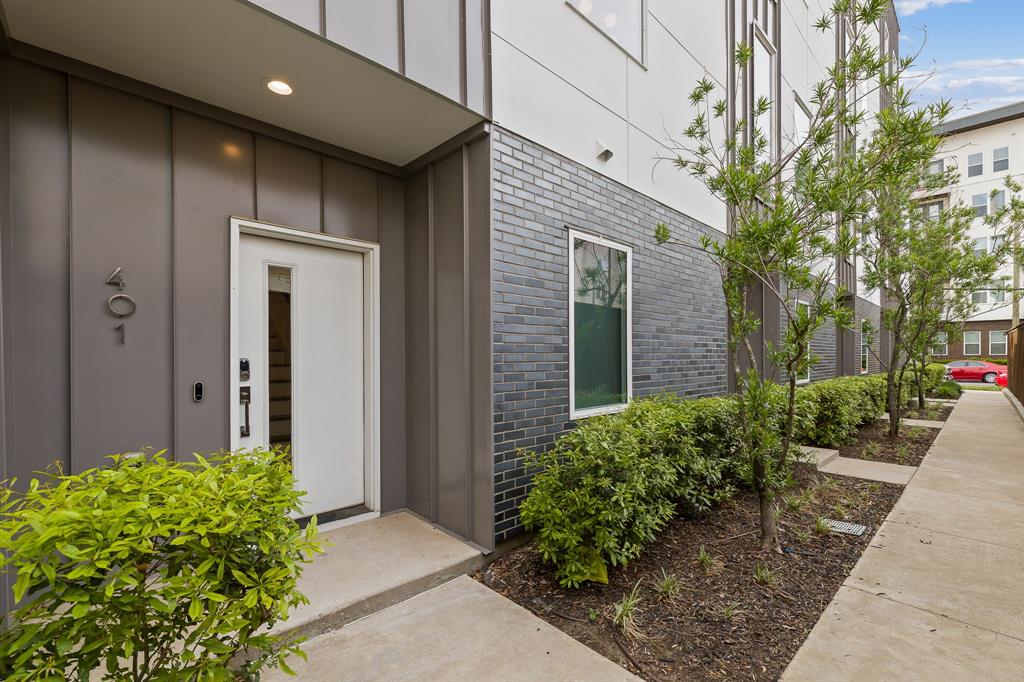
222,52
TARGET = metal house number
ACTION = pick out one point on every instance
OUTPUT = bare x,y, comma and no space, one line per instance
120,305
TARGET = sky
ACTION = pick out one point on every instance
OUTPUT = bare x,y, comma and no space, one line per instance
971,51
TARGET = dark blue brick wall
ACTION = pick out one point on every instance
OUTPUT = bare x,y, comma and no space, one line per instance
678,309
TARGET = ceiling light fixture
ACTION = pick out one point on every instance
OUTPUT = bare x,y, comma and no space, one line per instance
279,87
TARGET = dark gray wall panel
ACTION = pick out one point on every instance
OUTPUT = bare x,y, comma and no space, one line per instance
392,343
36,288
288,184
418,345
432,45
120,217
350,200
478,257
213,179
369,27
452,352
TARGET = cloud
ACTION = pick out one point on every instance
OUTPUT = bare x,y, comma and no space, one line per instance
907,7
970,84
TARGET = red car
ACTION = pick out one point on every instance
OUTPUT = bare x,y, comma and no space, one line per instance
975,370
1002,379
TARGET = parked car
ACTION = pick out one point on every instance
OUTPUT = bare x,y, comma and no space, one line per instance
975,370
1002,379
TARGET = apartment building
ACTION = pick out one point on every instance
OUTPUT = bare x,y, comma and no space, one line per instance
985,148
406,238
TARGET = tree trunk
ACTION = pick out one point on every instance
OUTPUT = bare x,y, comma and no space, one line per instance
920,381
893,390
769,529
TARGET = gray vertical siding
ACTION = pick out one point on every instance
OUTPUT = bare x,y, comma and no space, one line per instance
120,150
100,178
448,347
36,286
214,166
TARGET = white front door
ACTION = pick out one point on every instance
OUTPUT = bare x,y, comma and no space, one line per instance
301,364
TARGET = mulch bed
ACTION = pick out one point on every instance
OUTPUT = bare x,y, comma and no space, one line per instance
722,624
873,443
936,412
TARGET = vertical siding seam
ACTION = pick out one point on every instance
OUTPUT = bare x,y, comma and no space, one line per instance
467,356
176,393
323,18
255,176
432,343
463,66
323,196
401,36
6,254
72,449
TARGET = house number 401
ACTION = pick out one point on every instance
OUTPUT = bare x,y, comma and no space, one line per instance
120,305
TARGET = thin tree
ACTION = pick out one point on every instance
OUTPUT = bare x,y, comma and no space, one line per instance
792,217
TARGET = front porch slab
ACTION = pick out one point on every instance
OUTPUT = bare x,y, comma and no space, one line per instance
458,631
371,565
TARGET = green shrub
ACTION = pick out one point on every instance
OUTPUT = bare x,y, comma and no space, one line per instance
933,374
151,569
998,361
609,486
601,496
948,389
843,404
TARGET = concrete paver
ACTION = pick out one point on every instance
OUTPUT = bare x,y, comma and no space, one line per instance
937,594
864,637
461,630
373,564
885,472
928,423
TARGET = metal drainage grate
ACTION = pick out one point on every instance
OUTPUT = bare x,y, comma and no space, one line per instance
846,527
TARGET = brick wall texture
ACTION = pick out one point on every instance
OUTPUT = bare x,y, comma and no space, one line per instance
866,310
678,327
956,341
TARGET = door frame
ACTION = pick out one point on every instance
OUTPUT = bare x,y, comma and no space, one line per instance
371,340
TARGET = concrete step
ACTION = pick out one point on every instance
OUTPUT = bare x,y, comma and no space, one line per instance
371,565
928,423
871,471
818,456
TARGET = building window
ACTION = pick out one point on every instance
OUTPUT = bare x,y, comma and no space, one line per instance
997,292
998,200
997,343
980,246
935,167
972,343
975,164
979,297
763,88
932,209
620,20
1000,159
805,308
600,342
940,346
980,204
865,347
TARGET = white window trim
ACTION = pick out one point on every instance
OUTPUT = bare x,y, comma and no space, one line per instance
965,343
945,346
1005,342
807,377
980,164
641,61
606,409
1005,158
865,351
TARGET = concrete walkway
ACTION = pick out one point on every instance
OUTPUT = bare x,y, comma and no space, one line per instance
939,593
458,631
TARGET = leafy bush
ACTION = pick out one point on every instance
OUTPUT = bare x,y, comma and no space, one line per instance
933,374
997,361
948,389
601,496
153,569
843,404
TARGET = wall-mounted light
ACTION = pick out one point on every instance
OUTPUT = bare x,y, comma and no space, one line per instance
278,87
603,152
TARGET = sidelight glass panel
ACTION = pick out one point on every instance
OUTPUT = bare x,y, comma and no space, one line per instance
279,355
600,280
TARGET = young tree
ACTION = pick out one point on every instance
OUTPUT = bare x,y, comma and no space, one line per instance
923,264
791,224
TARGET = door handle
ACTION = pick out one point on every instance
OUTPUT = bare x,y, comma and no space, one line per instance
245,397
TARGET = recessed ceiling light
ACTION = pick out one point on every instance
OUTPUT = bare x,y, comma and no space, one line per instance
279,87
